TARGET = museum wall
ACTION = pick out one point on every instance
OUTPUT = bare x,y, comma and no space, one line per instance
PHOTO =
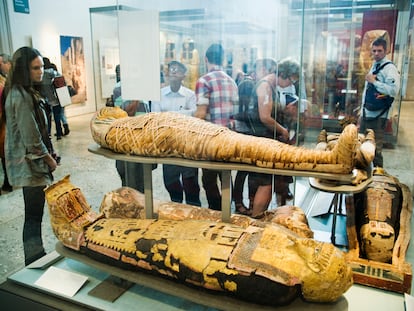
281,34
48,20
42,28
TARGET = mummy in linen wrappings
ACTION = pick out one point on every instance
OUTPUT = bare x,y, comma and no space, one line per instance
260,261
169,134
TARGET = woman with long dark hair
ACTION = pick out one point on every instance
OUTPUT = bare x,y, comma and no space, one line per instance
30,158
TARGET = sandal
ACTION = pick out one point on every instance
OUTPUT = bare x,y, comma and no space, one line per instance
243,210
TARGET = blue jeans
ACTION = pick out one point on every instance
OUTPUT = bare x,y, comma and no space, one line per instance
57,111
213,194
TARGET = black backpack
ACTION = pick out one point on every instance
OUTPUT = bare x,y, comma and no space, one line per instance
374,100
241,118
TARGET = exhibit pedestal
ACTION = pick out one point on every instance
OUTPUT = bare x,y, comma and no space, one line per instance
148,292
224,167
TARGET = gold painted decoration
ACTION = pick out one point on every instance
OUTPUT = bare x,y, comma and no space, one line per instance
69,212
263,263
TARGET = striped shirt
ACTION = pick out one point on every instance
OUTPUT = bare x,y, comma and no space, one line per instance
219,91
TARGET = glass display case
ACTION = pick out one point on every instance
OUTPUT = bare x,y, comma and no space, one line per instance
330,39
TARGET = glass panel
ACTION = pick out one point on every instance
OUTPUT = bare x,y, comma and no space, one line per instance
337,56
330,39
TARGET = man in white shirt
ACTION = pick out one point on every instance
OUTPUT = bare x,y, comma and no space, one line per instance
175,96
385,80
179,180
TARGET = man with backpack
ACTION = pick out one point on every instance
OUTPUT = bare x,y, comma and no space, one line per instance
381,86
245,87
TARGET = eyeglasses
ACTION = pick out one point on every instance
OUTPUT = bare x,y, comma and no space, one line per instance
174,70
293,81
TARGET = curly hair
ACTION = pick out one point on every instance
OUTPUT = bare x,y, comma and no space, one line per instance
288,68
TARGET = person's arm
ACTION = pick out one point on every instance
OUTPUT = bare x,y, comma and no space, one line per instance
29,130
202,99
50,161
265,104
201,111
132,107
389,80
27,124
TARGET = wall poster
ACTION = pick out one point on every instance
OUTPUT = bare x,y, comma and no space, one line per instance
109,58
73,66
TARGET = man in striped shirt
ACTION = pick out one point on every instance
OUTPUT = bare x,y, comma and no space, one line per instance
217,99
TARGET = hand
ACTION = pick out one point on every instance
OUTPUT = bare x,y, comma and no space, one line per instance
201,111
51,162
284,133
370,78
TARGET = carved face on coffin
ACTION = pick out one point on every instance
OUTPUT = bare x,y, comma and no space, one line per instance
291,217
279,255
379,217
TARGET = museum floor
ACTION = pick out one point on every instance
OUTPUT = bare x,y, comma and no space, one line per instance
96,175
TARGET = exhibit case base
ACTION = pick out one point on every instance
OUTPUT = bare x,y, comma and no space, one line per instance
149,292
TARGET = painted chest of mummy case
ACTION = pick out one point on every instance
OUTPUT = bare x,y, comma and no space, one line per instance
261,262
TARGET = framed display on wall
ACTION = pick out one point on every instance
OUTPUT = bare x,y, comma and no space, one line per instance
73,66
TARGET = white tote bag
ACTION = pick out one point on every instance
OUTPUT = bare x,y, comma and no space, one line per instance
62,91
63,95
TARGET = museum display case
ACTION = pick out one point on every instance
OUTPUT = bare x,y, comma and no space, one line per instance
330,40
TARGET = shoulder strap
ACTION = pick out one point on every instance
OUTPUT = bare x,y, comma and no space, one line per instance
380,68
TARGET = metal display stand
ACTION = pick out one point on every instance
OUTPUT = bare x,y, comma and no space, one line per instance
224,167
341,193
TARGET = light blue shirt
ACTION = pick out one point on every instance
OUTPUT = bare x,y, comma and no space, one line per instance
388,83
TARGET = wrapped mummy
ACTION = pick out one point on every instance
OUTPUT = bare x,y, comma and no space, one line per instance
265,264
169,134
